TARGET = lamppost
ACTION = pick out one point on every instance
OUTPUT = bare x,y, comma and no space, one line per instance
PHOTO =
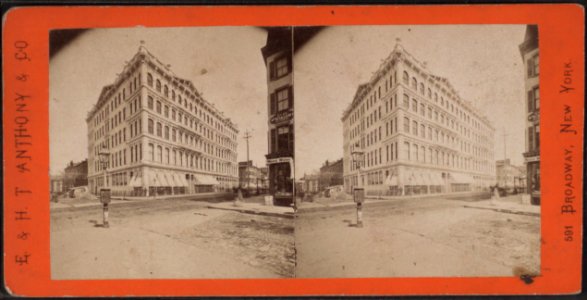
104,157
358,192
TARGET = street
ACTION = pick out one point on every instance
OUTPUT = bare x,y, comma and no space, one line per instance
416,238
169,239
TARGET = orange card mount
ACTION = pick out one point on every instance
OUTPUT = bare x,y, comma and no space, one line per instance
27,219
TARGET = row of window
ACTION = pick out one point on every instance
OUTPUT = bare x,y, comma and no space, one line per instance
190,106
165,155
189,122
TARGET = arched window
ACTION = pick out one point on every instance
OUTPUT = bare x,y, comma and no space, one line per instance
173,95
422,88
406,78
159,154
415,83
158,86
429,93
151,126
149,79
166,91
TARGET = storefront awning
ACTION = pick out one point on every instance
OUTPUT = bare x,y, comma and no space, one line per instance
179,180
391,180
205,180
136,181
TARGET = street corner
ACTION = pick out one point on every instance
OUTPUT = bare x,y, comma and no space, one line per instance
509,205
255,208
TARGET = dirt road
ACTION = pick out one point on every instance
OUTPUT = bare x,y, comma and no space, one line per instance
169,239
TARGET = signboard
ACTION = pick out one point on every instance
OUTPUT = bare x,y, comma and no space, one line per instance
105,196
281,117
279,160
359,195
532,159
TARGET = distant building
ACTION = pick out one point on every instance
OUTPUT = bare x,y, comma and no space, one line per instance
331,174
510,177
310,183
529,52
251,177
56,184
75,175
161,135
417,134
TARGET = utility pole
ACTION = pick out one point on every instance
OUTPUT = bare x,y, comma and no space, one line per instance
247,137
504,145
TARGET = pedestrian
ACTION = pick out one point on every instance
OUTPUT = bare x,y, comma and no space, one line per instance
494,194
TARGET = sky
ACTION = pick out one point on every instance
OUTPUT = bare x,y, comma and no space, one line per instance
482,62
224,63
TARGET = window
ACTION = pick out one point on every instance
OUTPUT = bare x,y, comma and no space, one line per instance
422,130
151,126
533,66
159,129
422,90
283,99
166,132
429,93
406,125
406,78
150,102
158,86
280,67
422,110
414,84
415,105
159,154
166,91
284,139
149,79
406,101
536,93
166,111
407,150
152,152
414,128
158,107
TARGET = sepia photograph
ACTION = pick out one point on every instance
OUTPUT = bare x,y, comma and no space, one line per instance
417,152
279,151
171,153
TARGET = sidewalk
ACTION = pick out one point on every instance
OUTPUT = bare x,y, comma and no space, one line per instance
329,204
255,208
507,205
57,206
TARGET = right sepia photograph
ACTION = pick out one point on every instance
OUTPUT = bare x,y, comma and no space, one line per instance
417,151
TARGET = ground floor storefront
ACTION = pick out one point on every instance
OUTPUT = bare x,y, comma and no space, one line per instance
409,181
151,181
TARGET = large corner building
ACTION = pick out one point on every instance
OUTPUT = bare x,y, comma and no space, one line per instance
417,135
162,136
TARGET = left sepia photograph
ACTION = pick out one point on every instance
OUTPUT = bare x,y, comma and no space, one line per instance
171,153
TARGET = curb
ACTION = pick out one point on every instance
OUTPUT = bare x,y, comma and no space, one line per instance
506,210
255,212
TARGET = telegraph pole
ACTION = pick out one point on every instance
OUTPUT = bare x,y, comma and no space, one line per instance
504,145
247,137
